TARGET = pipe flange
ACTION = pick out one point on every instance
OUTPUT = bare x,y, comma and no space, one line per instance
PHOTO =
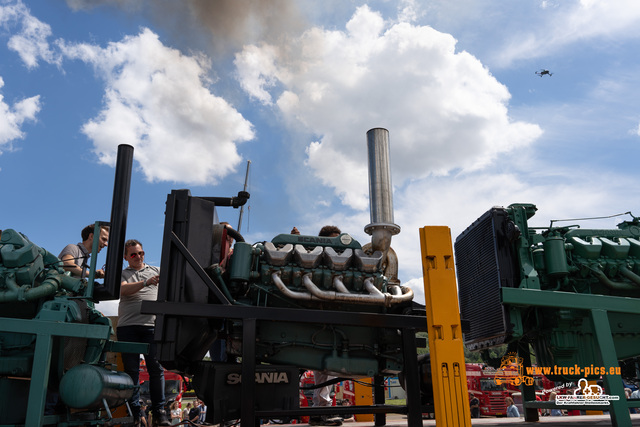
392,228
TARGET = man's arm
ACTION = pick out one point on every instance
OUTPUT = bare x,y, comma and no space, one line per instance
127,288
69,264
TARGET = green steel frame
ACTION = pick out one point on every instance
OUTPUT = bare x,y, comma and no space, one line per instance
597,306
46,332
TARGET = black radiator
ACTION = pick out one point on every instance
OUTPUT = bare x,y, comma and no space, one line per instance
485,262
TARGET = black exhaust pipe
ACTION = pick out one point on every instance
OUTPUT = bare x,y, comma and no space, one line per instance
117,234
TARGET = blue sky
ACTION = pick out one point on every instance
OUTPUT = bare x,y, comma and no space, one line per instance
198,88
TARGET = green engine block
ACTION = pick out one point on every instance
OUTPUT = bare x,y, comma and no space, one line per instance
537,286
319,273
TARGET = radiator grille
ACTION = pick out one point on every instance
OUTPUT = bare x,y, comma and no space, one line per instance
485,262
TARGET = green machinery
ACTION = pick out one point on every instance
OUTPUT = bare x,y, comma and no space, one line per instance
571,294
309,274
294,303
297,301
53,342
321,273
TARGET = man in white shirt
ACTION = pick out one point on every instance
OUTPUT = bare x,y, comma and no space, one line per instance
140,283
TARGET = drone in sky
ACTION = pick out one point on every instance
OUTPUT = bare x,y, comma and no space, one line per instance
544,73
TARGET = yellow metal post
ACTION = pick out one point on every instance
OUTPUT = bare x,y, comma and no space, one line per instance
363,397
451,397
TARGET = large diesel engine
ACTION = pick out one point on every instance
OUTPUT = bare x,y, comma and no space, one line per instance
55,366
322,273
52,343
296,302
561,289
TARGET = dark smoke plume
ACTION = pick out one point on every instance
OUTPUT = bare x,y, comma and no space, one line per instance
231,23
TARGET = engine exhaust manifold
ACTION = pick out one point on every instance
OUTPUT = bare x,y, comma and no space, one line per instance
396,295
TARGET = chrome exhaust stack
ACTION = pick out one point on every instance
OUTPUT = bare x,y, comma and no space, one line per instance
382,227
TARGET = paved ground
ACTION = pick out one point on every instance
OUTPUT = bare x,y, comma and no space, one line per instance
394,420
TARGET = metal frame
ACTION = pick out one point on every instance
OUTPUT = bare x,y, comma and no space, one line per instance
46,332
251,316
169,308
597,306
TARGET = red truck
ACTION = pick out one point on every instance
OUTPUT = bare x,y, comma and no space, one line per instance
174,386
481,384
492,386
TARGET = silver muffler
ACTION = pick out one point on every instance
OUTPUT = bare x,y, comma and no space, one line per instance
382,226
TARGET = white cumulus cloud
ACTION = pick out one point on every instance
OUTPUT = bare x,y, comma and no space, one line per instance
13,116
31,40
444,110
158,101
570,22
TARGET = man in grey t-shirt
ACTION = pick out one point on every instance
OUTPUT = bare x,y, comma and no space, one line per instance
140,283
75,258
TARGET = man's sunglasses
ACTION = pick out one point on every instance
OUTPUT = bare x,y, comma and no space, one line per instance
135,254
